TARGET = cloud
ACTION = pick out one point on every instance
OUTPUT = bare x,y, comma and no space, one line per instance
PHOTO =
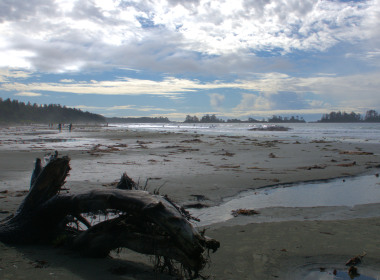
124,107
176,36
86,107
169,87
16,10
251,102
216,100
121,107
151,108
6,74
220,27
67,81
16,58
139,108
28,93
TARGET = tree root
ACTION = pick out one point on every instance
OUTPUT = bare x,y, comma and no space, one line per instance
134,219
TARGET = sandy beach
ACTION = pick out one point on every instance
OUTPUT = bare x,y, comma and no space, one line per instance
187,166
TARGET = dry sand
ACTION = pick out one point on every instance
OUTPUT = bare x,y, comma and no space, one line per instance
186,165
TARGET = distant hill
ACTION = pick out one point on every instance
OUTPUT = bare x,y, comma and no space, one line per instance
138,120
13,111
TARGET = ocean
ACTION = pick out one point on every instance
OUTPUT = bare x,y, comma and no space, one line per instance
347,132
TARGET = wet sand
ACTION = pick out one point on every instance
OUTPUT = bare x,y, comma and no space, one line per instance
186,166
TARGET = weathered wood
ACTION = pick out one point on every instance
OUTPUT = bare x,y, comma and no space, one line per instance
149,224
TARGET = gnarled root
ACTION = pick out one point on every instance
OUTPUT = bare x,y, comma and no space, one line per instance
145,223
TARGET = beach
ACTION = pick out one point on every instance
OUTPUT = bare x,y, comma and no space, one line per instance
196,168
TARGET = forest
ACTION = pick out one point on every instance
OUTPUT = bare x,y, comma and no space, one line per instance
213,119
13,111
370,116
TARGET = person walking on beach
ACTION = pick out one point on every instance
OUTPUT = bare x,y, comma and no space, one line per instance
70,127
60,127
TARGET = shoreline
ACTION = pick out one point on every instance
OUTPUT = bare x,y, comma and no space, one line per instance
187,165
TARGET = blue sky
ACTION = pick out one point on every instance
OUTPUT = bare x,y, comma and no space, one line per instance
172,58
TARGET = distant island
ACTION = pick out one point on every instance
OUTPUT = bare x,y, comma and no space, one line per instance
213,119
13,111
333,117
343,117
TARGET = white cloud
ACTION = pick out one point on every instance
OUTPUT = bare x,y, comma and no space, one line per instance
216,100
168,87
16,58
9,73
227,26
124,107
151,108
252,102
28,93
139,108
121,107
318,104
67,81
86,107
62,36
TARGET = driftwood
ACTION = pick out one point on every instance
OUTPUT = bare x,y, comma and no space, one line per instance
134,219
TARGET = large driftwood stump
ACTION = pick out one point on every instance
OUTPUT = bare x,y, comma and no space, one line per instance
134,219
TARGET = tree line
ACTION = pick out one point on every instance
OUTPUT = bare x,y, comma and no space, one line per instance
370,116
13,111
205,119
213,119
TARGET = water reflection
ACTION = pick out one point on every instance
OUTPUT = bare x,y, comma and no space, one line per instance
339,192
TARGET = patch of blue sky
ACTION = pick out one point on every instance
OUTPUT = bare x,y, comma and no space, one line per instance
269,52
288,101
146,22
88,76
350,1
201,101
343,58
232,96
116,105
195,102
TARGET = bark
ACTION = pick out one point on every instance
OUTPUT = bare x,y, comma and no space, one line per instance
146,223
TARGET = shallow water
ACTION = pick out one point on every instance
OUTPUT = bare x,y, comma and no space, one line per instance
332,272
347,192
341,275
346,132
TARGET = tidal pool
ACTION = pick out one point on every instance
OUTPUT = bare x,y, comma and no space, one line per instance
336,195
331,272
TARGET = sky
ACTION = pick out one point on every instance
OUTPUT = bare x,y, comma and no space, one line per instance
232,58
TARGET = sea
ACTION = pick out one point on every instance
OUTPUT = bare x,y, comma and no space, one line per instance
345,132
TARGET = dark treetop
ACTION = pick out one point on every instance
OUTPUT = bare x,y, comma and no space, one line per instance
13,111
